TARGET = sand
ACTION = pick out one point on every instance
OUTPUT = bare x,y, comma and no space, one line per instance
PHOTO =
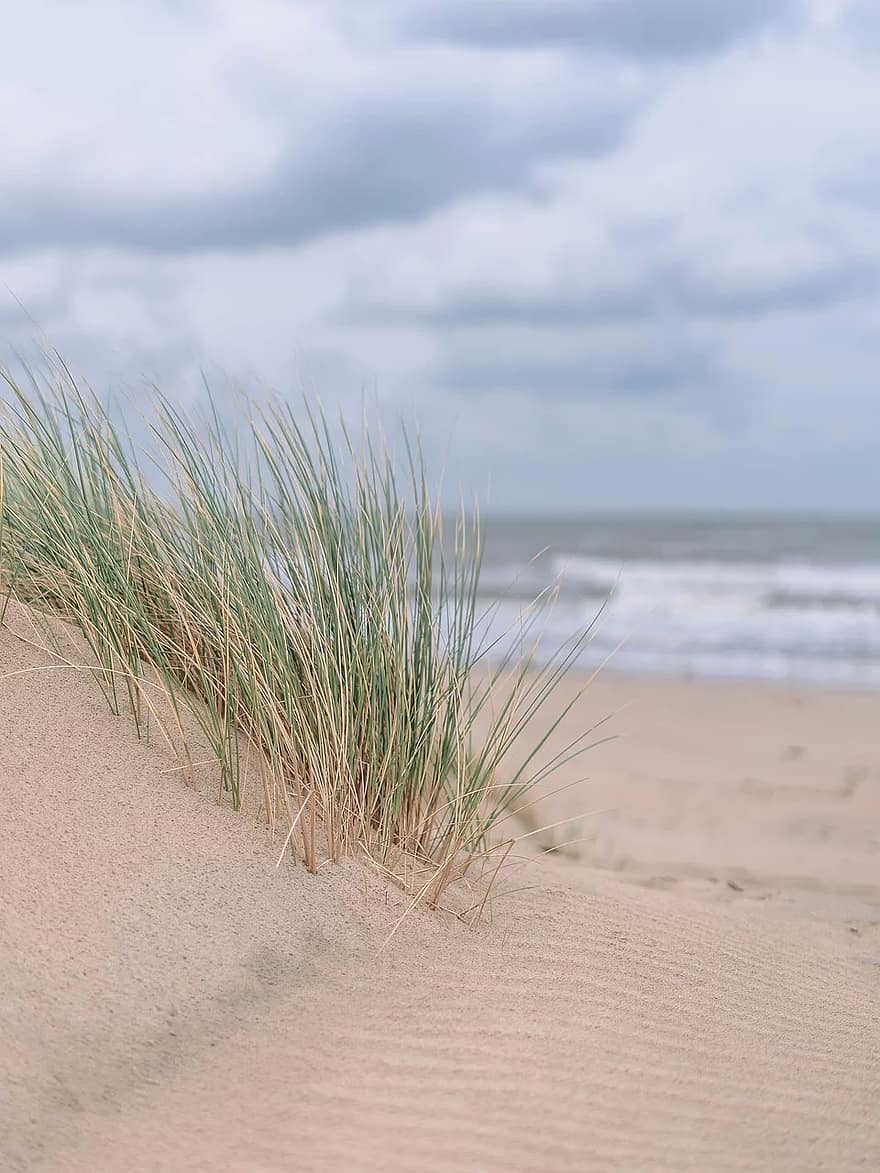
730,792
172,1000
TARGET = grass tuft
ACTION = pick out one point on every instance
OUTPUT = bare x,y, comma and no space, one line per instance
292,588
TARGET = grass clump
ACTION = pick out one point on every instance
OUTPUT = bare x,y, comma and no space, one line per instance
294,591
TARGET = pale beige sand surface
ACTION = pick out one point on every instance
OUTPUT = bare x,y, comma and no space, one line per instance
732,792
173,1001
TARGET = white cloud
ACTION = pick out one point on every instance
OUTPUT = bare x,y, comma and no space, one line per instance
663,272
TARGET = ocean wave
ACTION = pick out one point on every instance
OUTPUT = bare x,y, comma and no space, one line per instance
787,620
857,581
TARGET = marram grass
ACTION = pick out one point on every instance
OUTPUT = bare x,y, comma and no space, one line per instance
293,590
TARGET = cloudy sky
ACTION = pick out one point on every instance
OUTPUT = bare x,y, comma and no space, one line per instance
606,252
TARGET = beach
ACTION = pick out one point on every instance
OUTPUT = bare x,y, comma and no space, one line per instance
440,587
691,985
728,790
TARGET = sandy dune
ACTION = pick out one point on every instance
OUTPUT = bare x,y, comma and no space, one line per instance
172,1001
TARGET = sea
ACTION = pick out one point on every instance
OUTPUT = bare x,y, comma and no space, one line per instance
788,599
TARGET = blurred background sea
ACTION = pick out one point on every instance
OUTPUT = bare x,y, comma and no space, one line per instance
794,599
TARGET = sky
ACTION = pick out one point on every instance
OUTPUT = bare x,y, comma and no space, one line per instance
602,253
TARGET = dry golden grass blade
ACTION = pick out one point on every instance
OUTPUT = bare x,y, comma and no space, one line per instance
293,592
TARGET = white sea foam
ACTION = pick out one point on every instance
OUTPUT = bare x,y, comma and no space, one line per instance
783,620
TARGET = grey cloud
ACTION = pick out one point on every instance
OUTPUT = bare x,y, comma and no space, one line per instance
855,181
819,288
119,368
860,23
395,158
662,290
649,28
145,335
470,310
686,369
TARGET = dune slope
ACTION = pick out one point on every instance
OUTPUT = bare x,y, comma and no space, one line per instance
172,1000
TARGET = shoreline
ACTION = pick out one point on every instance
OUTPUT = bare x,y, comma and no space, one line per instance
768,683
716,680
